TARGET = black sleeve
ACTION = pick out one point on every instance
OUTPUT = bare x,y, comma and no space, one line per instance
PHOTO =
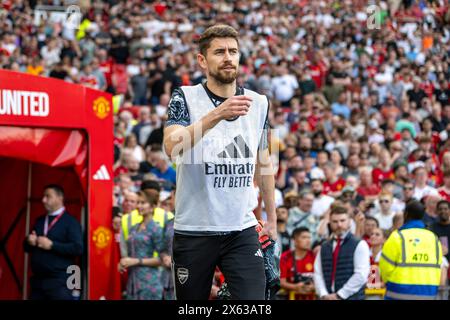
177,111
26,246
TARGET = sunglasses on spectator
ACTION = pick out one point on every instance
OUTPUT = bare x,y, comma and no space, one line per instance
408,188
384,200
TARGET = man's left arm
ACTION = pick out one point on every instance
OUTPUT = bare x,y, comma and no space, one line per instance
266,182
73,246
361,262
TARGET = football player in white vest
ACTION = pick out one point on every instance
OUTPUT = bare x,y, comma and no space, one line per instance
218,134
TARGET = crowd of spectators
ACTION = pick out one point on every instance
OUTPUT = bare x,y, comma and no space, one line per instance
360,113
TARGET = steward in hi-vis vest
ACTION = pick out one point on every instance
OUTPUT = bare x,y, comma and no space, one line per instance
411,259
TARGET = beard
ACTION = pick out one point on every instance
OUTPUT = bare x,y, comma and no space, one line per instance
317,193
224,76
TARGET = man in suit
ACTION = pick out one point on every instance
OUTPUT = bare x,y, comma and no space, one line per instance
342,265
54,243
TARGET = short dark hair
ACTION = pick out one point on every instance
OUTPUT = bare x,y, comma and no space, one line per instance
151,184
443,202
298,231
282,207
57,188
387,181
414,210
338,208
373,219
216,31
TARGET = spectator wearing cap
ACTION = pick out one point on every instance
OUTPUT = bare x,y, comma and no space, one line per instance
301,215
321,201
421,187
349,194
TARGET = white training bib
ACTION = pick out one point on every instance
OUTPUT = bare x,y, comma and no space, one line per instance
215,190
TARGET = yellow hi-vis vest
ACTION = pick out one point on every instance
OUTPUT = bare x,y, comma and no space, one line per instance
133,218
410,265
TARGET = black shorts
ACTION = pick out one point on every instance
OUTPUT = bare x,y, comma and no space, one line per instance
238,255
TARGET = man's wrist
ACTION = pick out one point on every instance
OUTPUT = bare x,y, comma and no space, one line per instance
214,117
272,217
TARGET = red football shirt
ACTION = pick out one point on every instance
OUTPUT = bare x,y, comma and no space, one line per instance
444,194
372,190
333,187
379,175
304,266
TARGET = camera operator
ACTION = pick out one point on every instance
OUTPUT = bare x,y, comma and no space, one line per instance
297,267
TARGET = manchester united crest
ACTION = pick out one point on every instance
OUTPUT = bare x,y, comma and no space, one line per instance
101,107
102,237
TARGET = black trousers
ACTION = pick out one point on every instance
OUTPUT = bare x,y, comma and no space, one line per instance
238,255
56,293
